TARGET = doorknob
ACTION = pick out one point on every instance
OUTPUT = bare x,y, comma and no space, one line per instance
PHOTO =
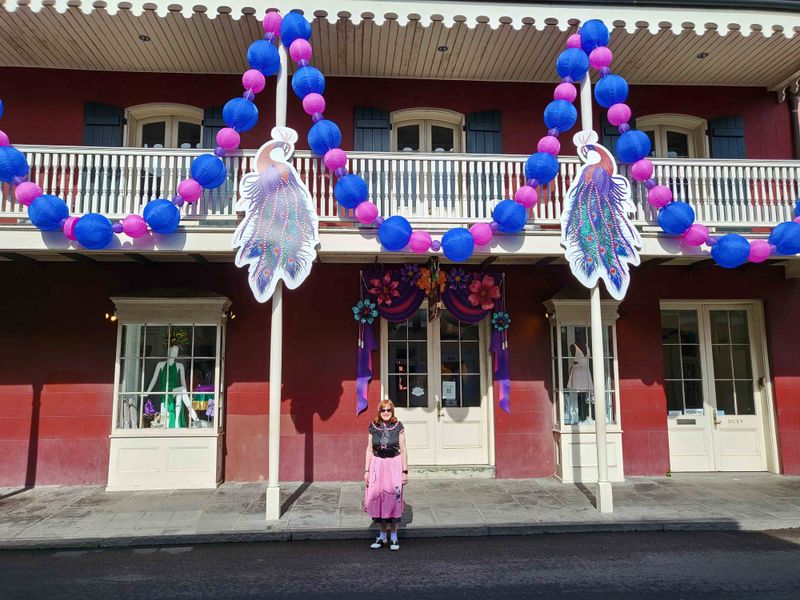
438,409
716,421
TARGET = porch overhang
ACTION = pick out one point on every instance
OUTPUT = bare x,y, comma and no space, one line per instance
487,41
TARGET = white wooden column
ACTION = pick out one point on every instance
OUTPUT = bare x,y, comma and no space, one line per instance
603,495
276,336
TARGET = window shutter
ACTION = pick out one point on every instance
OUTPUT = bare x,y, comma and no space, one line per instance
609,135
727,137
212,123
371,132
102,125
484,135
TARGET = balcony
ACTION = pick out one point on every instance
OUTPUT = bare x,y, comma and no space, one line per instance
429,189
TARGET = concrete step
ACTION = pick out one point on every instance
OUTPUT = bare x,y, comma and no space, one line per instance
451,472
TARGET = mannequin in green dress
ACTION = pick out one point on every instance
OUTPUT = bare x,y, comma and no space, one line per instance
170,377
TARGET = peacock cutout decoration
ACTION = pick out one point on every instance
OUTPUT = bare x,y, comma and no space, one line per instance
278,237
598,237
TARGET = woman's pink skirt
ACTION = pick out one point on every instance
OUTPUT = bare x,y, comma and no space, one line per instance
383,498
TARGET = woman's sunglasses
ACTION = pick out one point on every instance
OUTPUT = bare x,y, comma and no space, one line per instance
383,410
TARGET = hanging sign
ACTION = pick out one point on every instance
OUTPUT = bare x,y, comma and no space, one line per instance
598,237
279,235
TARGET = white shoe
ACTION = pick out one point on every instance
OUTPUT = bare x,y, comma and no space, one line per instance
395,545
379,543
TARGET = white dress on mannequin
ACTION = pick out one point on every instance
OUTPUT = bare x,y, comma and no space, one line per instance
579,377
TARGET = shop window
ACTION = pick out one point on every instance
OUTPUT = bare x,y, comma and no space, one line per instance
168,375
572,368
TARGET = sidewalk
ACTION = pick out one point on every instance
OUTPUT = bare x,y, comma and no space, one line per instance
69,517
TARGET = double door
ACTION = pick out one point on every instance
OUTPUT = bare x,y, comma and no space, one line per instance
436,373
714,372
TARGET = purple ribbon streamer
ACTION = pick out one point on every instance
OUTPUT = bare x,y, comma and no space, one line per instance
499,346
364,375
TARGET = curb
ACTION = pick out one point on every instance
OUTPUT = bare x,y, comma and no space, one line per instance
509,529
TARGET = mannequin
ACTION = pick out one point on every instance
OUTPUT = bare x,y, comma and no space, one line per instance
580,380
170,376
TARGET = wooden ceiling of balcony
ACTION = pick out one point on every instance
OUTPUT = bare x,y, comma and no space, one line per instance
199,44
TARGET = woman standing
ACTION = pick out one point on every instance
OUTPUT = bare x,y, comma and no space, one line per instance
385,473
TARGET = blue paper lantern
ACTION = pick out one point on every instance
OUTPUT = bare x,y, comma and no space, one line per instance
240,114
632,146
394,233
594,34
786,238
676,217
47,212
458,244
560,115
12,164
209,171
263,56
542,167
572,63
797,209
350,191
308,80
294,26
1,108
162,216
324,135
611,90
93,231
730,251
510,216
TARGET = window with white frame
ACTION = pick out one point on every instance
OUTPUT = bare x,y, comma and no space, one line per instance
164,125
675,135
427,130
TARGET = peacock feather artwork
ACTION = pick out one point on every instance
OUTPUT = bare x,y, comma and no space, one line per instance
598,237
278,237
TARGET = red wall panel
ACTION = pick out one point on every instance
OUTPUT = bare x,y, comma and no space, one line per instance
46,106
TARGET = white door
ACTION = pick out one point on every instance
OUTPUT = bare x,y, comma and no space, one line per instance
714,396
435,373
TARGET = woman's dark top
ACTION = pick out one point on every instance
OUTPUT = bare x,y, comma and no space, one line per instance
386,440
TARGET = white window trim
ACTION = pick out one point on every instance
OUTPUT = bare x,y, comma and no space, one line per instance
171,112
694,127
425,117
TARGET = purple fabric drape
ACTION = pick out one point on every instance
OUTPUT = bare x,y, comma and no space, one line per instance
366,344
397,298
499,347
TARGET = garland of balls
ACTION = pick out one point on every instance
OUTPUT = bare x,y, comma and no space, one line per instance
584,49
589,48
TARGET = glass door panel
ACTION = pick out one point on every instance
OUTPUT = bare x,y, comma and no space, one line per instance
442,138
408,138
188,135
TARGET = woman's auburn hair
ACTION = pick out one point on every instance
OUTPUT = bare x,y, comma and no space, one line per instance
381,404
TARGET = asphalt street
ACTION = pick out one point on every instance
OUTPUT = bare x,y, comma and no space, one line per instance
618,565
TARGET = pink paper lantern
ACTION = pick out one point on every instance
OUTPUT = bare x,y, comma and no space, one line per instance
549,144
565,91
600,57
366,212
4,141
313,103
527,196
482,233
228,138
27,192
796,219
300,50
335,158
420,241
759,251
696,235
254,80
134,226
272,22
619,114
659,196
574,41
642,170
69,228
190,190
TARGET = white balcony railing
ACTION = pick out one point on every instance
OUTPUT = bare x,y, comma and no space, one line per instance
430,188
